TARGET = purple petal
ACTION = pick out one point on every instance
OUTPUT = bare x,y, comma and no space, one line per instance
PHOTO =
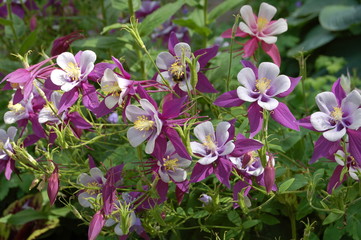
338,91
172,108
324,148
78,121
272,51
177,143
284,116
334,181
172,41
68,99
90,97
246,145
228,99
250,47
99,69
206,55
96,225
200,172
294,82
223,171
255,118
53,186
204,85
355,144
238,33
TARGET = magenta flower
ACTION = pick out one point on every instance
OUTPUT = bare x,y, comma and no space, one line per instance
53,185
18,111
7,164
248,163
62,44
96,225
260,86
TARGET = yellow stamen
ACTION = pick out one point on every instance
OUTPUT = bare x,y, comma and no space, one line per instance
16,108
170,164
210,144
337,113
2,145
263,84
177,70
113,89
73,71
93,188
143,123
14,85
261,23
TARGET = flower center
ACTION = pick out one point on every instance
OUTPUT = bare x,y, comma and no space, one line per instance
143,123
1,145
261,23
337,113
14,85
170,164
16,108
263,84
73,71
249,158
114,89
210,144
93,188
176,70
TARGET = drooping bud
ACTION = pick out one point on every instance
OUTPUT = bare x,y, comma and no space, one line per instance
269,174
96,225
53,185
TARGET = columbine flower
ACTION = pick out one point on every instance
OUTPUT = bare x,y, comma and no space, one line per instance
73,70
249,163
48,113
115,87
205,199
214,144
171,167
147,125
353,168
7,164
18,111
113,118
62,44
175,69
93,185
336,116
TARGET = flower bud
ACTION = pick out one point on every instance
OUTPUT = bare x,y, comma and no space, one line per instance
269,175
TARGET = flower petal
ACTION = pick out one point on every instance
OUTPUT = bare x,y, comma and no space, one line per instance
227,148
164,60
279,85
356,119
268,103
59,77
334,135
179,175
111,101
326,101
203,130
87,60
266,11
245,95
182,48
198,148
277,27
268,70
133,112
247,78
222,133
136,137
351,102
321,121
249,17
207,159
64,59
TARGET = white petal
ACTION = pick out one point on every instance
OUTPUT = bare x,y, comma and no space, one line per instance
248,16
245,94
339,157
356,119
198,148
182,48
228,148
47,115
136,137
118,230
109,78
158,123
179,175
82,198
69,86
268,39
222,133
268,70
269,105
11,117
207,159
64,59
96,172
279,85
321,121
246,29
59,77
55,99
185,85
149,148
326,101
203,130
84,179
333,135
133,112
275,28
182,162
267,11
111,101
3,135
147,106
170,149
12,132
247,78
87,60
351,102
166,77
164,176
164,60
109,222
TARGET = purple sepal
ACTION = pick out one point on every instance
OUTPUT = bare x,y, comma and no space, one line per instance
245,145
306,123
116,173
200,172
48,84
174,137
68,99
355,144
284,116
334,181
31,139
37,128
294,82
91,162
338,91
269,176
228,99
223,171
231,130
238,33
109,194
181,189
103,110
204,85
250,65
160,147
238,187
124,73
206,55
9,169
53,186
272,51
324,148
96,225
78,121
90,98
255,118
162,189
172,108
99,69
18,96
143,94
250,47
172,41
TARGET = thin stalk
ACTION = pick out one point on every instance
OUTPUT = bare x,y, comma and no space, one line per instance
234,30
303,73
10,14
104,13
205,20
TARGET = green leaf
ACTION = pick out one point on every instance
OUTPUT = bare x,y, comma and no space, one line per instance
111,27
315,38
101,42
339,17
234,217
269,219
189,23
331,218
28,42
222,8
180,211
317,176
200,214
122,5
5,219
300,181
25,216
158,17
62,212
333,233
4,21
285,185
250,223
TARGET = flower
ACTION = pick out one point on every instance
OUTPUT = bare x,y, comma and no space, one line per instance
171,166
214,144
353,168
18,111
336,116
205,199
147,125
113,118
248,163
74,69
93,184
115,87
62,44
7,164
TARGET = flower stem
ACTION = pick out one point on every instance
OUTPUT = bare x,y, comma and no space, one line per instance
234,30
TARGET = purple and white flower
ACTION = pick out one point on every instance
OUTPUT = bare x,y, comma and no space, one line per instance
335,117
93,184
213,144
147,125
249,163
18,111
49,112
6,162
263,88
354,170
171,167
115,87
205,199
73,69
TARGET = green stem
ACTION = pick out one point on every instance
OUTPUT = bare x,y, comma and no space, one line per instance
104,13
10,14
205,9
234,30
131,9
303,73
293,223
